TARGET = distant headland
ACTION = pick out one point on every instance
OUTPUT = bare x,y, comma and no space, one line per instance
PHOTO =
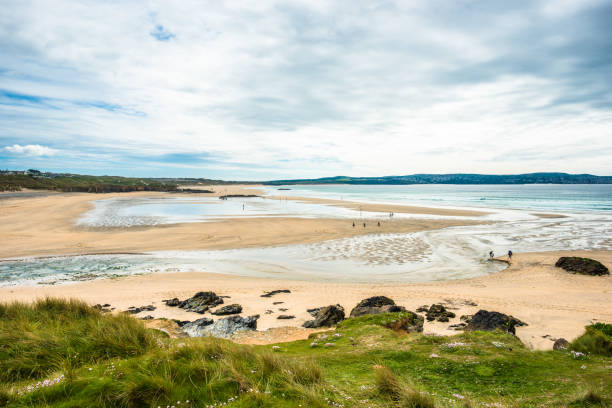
459,178
15,180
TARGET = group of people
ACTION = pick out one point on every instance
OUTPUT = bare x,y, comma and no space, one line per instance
364,224
492,255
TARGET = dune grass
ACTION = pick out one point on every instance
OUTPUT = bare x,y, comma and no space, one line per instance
52,335
361,363
596,340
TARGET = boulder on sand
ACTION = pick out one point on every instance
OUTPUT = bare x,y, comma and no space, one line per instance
325,316
228,310
438,312
489,321
376,305
582,266
199,303
223,328
561,344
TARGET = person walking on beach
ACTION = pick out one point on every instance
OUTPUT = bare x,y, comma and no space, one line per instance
509,254
379,223
491,254
353,224
364,225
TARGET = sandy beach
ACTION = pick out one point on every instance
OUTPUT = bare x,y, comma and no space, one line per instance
551,301
45,226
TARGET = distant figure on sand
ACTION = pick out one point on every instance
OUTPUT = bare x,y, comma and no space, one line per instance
509,255
364,225
379,223
353,224
491,254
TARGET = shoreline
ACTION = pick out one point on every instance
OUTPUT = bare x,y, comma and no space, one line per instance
46,226
522,290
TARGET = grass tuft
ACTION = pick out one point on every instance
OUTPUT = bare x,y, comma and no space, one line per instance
594,341
49,335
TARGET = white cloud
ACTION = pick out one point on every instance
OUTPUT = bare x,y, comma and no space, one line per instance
30,150
312,88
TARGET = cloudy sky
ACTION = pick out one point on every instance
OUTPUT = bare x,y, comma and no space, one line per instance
264,89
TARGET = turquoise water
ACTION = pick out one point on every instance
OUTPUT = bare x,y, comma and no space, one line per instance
535,197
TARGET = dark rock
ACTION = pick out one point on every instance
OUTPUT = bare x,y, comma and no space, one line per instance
375,305
413,323
147,317
561,344
438,312
136,310
325,316
375,301
103,308
466,318
582,266
457,326
283,309
181,323
193,328
106,305
489,321
201,302
277,303
172,302
423,309
228,310
360,311
223,328
285,317
313,312
269,311
274,292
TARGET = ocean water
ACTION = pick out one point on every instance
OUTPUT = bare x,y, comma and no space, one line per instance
534,197
451,253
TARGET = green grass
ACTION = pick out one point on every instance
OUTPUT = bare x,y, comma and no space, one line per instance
81,183
53,335
361,363
596,340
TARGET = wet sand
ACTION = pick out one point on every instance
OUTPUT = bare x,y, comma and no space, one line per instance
387,208
553,302
45,226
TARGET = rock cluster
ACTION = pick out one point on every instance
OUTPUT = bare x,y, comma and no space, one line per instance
135,310
198,303
583,266
439,313
489,321
325,316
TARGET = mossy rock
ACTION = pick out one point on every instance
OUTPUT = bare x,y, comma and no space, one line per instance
582,266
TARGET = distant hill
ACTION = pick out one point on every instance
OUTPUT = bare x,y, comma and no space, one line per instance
530,178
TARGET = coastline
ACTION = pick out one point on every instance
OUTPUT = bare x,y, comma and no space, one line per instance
522,290
45,226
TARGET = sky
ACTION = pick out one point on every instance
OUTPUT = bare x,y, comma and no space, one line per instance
266,90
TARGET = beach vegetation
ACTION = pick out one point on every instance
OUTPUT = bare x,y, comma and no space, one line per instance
56,353
597,339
